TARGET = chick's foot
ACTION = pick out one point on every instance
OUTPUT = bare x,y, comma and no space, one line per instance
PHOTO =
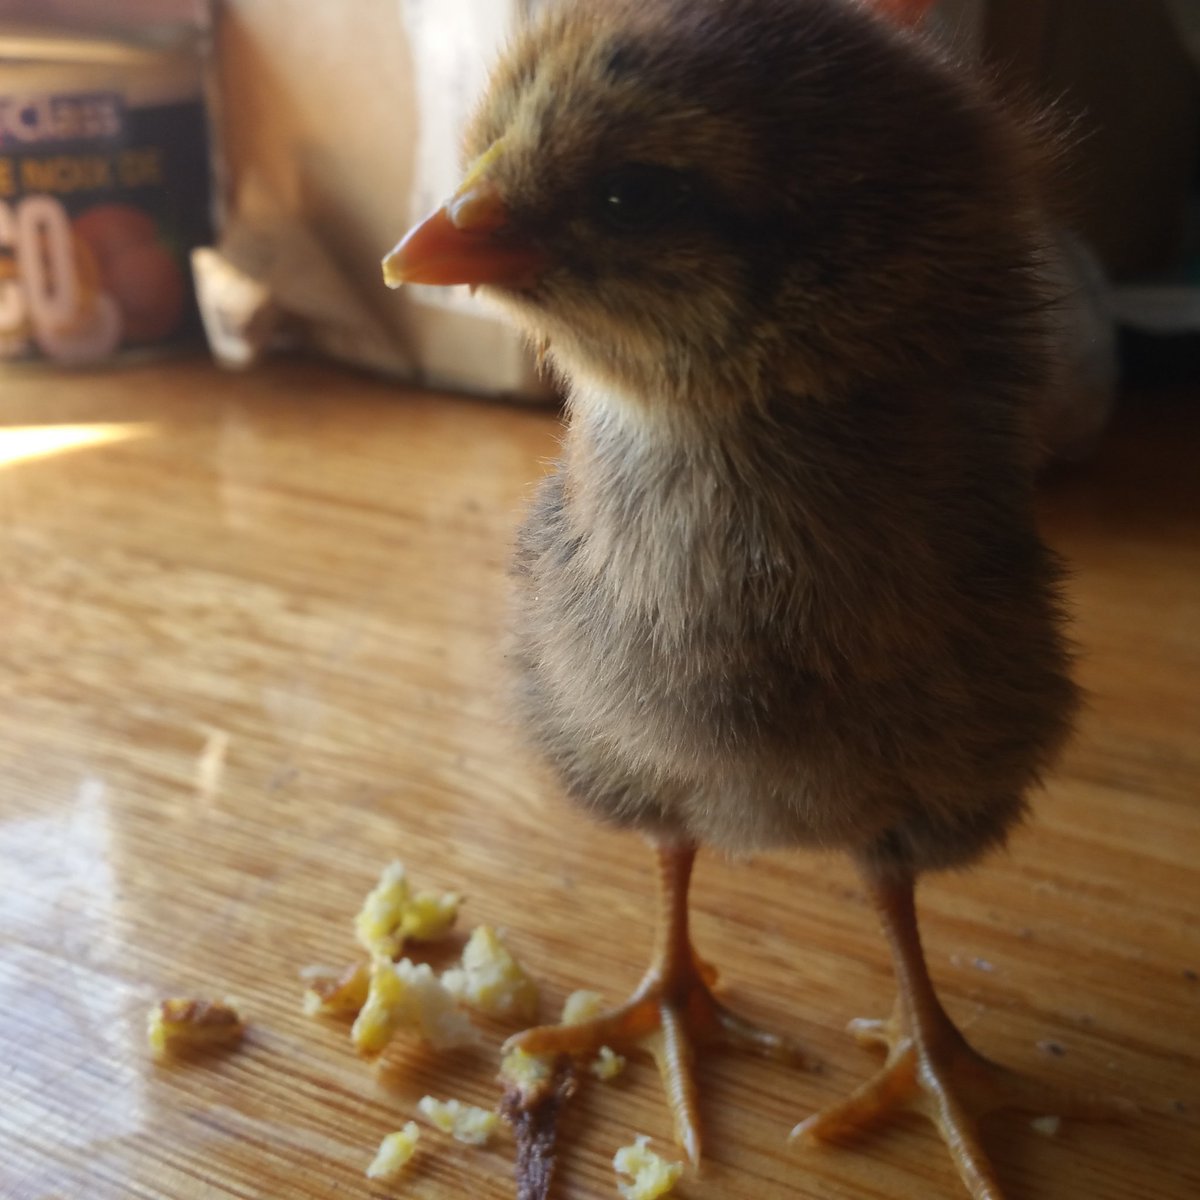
931,1069
671,1013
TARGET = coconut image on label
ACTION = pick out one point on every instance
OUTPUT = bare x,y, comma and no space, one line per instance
103,192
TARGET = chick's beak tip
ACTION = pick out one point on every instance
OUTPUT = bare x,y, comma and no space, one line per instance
464,241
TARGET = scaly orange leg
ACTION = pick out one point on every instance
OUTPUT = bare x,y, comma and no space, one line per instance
671,1011
931,1068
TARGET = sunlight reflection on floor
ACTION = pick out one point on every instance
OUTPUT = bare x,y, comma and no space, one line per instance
21,443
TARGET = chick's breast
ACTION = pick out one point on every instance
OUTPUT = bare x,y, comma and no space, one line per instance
717,673
785,585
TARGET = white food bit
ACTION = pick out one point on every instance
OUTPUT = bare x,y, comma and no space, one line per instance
491,980
394,1152
316,971
607,1064
1046,1126
581,1006
651,1175
463,1122
409,996
391,914
524,1071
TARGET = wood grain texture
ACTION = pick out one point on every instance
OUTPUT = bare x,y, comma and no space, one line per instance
252,653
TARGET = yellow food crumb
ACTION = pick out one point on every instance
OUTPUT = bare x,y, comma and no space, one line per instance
651,1176
581,1006
524,1071
607,1064
394,1152
192,1023
383,911
584,1006
391,914
409,996
491,980
463,1122
431,915
384,1010
334,992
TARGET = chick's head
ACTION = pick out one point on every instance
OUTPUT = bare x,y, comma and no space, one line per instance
718,197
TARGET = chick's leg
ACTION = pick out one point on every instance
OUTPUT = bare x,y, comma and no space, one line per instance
671,1011
931,1068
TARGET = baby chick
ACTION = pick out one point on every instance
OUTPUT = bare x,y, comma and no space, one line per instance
784,588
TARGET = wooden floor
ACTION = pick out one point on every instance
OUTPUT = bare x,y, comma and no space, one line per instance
250,653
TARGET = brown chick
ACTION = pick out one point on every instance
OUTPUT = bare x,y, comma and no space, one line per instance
785,587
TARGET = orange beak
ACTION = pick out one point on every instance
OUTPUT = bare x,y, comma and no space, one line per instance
468,240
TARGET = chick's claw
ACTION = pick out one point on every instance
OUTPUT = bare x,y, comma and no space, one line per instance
950,1086
945,1080
686,997
672,1013
931,1068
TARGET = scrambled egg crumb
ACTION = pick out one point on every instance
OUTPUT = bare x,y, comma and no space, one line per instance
584,1006
581,1006
607,1064
404,995
528,1072
394,1152
431,915
463,1122
651,1175
524,1071
331,992
391,914
491,980
192,1023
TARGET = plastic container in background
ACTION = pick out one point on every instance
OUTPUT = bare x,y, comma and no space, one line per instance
104,191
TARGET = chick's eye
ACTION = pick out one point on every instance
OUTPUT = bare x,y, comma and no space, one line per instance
638,198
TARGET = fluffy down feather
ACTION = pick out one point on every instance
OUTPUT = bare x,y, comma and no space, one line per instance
785,587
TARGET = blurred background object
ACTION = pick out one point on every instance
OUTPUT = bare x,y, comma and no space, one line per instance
407,71
1124,76
347,121
104,183
1122,70
339,125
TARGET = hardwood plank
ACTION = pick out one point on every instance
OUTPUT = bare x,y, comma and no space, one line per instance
253,651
